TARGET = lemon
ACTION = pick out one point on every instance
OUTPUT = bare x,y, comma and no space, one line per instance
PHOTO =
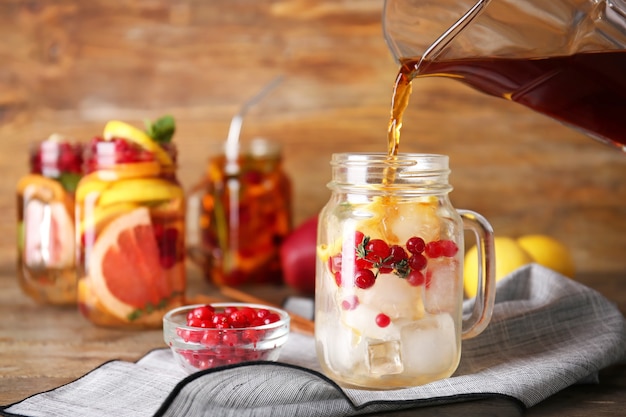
513,253
509,257
117,129
549,252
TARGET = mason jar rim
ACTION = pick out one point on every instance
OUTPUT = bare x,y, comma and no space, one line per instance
414,173
429,161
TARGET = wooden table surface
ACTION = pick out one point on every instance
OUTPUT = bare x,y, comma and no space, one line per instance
43,347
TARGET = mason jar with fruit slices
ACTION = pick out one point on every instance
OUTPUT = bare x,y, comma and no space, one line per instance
389,280
130,217
241,211
45,209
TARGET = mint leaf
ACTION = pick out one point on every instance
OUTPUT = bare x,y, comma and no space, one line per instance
69,181
161,130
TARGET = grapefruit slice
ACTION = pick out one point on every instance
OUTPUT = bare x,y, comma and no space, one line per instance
124,267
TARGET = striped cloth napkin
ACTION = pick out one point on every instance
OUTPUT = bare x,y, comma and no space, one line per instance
547,333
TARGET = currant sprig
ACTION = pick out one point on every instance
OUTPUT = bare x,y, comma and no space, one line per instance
375,256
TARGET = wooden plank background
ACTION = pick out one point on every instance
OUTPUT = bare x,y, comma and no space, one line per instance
68,66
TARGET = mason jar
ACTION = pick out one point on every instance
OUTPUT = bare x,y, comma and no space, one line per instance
130,211
45,221
241,212
389,272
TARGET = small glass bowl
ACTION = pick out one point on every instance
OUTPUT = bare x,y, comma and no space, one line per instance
197,348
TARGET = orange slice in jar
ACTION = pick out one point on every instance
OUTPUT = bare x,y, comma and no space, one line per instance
34,186
40,187
117,129
129,170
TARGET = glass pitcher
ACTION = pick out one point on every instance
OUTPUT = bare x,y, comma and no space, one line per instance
562,58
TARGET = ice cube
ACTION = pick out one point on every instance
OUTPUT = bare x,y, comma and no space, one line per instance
430,345
363,321
422,218
384,358
444,290
343,348
393,296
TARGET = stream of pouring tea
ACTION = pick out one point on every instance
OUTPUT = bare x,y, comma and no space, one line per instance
399,102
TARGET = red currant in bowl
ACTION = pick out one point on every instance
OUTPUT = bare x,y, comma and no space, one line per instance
208,336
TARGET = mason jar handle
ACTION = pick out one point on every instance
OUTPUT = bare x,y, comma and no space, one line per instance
486,291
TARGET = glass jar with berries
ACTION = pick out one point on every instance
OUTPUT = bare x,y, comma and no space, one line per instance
130,211
45,210
389,273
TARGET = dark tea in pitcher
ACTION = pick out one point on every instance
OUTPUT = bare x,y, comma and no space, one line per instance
586,91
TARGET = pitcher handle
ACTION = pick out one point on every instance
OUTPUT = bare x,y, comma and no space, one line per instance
486,291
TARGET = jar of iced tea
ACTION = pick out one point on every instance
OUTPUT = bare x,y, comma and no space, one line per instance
244,214
130,213
389,273
45,210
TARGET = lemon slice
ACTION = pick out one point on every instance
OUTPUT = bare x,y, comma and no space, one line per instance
118,129
140,190
101,215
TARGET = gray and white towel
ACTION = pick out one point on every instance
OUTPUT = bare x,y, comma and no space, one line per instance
547,333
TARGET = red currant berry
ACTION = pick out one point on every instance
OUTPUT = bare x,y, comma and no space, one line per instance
230,338
337,276
239,319
382,320
230,309
257,322
415,245
418,262
415,278
396,254
271,318
335,262
448,248
433,249
211,338
364,278
203,313
249,313
358,237
196,322
220,320
350,303
377,250
262,313
362,263
251,335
